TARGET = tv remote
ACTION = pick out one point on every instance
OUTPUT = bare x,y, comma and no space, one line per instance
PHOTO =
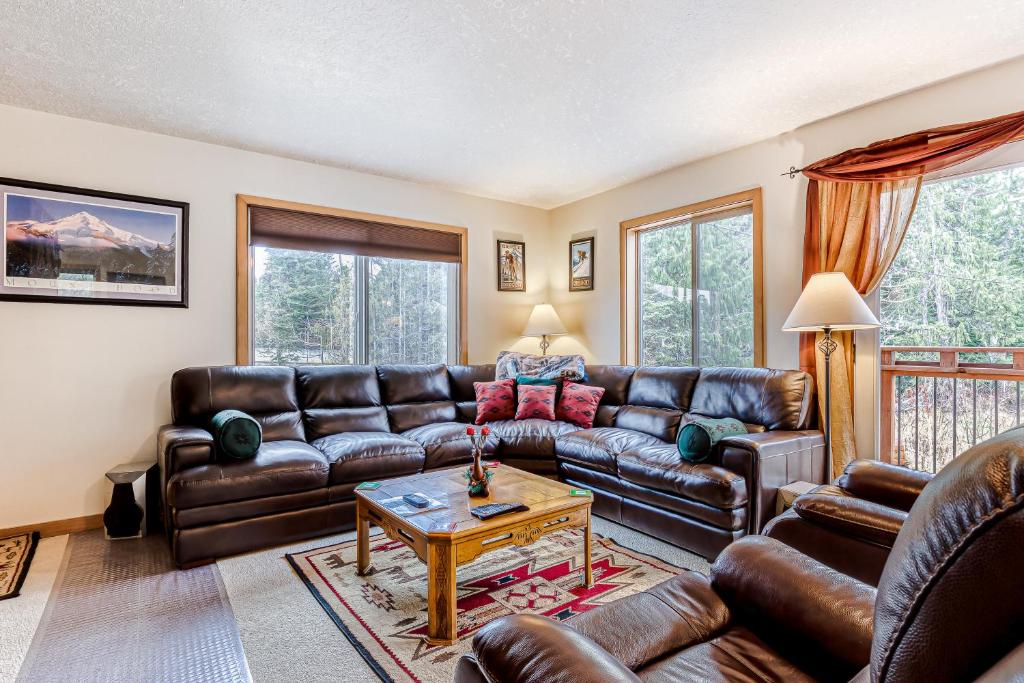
484,512
416,500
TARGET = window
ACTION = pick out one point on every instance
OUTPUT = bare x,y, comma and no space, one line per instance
339,287
692,285
958,279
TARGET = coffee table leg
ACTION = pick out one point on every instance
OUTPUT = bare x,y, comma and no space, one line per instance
441,594
588,574
362,541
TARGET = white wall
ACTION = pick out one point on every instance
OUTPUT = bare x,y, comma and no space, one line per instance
85,387
595,315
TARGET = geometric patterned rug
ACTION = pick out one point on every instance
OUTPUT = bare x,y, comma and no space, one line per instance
384,614
15,556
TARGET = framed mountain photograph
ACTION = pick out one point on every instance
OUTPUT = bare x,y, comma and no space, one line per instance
581,265
511,266
72,245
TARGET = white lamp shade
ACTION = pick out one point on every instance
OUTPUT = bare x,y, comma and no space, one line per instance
543,320
829,300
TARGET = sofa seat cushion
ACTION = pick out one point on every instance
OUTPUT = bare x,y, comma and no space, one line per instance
366,456
278,467
447,444
662,469
599,447
529,438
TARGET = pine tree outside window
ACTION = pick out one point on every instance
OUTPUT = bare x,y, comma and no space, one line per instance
331,286
692,285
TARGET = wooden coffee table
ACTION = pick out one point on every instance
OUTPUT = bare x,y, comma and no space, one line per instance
448,537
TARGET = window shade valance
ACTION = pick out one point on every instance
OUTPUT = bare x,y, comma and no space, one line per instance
287,229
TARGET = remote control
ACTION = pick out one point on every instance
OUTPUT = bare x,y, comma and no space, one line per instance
416,500
484,512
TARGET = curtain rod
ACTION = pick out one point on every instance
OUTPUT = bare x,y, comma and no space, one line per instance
793,172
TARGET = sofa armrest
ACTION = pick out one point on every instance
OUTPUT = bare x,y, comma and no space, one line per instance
782,590
769,461
847,514
526,648
179,448
884,483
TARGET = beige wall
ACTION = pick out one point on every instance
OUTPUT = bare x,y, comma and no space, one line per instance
594,316
85,387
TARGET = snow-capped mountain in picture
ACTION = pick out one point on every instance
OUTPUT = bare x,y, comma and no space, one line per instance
83,230
49,240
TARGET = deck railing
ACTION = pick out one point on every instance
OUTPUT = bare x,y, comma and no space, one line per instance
939,401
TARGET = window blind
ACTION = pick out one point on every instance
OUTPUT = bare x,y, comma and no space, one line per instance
286,229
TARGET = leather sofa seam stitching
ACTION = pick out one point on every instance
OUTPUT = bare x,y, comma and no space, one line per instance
941,568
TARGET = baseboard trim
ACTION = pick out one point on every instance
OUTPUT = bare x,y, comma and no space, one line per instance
57,527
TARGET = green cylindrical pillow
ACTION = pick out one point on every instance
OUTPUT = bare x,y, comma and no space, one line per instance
238,436
697,437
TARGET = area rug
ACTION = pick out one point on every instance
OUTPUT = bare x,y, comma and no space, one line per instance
15,557
384,614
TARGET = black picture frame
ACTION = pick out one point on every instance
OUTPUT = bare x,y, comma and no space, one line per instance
581,284
506,284
179,300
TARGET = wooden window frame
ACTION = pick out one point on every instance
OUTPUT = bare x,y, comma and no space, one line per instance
244,265
629,271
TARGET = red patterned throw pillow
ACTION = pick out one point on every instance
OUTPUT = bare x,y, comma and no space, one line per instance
495,400
578,404
536,401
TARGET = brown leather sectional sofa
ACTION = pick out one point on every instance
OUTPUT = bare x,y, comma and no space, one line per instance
948,607
327,428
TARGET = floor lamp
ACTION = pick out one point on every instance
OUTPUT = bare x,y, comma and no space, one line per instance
828,304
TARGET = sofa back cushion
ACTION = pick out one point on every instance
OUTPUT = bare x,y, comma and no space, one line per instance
659,387
416,395
340,398
460,379
614,379
266,393
776,399
413,383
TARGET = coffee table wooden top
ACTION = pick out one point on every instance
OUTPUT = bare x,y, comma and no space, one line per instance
508,485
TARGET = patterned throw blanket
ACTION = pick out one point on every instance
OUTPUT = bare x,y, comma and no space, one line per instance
512,364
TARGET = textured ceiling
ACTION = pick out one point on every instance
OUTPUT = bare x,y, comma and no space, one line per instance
537,102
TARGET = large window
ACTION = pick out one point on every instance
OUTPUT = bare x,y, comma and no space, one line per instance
958,279
317,293
692,283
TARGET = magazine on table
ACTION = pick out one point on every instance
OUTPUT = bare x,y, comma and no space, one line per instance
400,507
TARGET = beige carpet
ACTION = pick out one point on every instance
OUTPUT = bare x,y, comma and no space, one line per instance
288,636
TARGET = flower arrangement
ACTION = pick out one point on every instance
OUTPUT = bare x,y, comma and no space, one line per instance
478,475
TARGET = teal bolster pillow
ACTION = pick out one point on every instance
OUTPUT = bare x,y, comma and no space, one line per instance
697,437
238,436
540,381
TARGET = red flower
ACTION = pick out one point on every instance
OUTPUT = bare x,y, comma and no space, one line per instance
469,431
485,431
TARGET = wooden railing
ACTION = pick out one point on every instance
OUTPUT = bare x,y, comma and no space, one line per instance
939,401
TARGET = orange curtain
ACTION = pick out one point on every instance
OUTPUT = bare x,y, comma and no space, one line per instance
859,204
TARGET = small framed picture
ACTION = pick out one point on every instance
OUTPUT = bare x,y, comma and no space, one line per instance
581,265
72,245
511,266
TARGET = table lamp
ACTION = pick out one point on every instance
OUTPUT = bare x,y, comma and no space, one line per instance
544,322
829,303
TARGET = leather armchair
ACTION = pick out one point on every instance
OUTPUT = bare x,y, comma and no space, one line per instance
852,524
948,607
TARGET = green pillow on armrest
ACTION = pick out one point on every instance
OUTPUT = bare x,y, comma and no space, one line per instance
238,436
697,437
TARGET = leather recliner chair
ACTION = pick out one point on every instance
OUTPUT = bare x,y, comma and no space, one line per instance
852,524
949,606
